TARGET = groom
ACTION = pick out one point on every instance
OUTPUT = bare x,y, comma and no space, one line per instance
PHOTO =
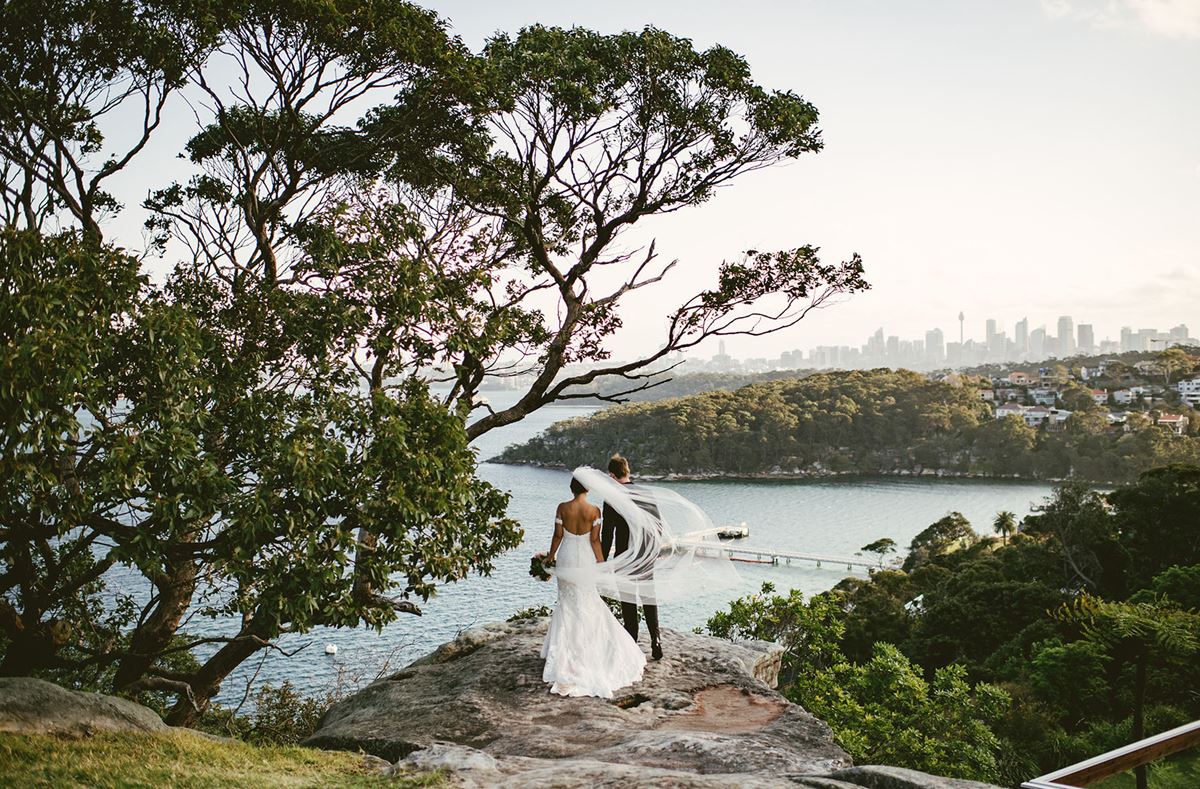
616,528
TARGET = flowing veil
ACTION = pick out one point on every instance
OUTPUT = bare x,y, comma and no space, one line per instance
657,567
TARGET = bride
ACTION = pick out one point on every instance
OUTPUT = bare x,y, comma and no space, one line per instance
587,651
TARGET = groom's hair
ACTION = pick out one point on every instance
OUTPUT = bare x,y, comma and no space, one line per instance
618,466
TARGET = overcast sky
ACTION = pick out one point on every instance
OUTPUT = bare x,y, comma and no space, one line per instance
1016,158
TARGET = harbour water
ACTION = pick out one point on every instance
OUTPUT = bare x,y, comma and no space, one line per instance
836,516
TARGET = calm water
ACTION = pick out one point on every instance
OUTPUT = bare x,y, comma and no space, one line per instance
831,517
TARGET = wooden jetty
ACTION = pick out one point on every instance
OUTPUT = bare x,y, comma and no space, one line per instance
770,555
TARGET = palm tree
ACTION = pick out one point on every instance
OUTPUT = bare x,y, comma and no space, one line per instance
1005,524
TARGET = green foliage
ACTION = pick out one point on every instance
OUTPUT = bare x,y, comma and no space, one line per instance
882,547
1004,644
948,534
533,612
195,432
885,712
284,717
882,710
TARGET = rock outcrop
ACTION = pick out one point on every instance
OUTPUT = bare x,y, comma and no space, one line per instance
705,716
33,706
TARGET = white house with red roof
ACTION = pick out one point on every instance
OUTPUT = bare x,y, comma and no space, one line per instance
1176,423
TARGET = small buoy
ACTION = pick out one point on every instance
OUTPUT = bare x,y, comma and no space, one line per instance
331,649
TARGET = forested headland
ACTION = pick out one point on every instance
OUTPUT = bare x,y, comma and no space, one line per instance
858,422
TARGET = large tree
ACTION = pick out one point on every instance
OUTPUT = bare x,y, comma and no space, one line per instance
254,437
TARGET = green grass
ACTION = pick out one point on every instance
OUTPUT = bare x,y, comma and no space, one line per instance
183,759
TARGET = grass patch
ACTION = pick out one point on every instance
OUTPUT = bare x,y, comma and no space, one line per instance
183,759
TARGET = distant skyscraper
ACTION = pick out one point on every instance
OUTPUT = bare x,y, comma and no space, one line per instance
1179,333
1037,344
1087,339
935,346
990,330
961,317
1066,336
1021,337
1127,341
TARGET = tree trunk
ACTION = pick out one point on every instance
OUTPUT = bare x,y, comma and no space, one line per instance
206,682
175,595
1139,712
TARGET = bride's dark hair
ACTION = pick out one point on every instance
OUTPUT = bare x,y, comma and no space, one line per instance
576,488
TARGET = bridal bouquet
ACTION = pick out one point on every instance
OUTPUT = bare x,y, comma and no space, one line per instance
539,566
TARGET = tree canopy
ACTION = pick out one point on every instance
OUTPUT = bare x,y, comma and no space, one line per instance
1076,635
253,437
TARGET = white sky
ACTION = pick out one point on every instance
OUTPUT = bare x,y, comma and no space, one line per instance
1015,158
1004,158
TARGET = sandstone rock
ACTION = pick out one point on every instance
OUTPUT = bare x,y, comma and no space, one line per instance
376,765
704,716
882,777
33,706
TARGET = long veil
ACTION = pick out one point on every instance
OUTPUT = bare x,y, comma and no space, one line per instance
672,554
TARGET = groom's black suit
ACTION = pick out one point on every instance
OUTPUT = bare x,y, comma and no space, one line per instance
615,529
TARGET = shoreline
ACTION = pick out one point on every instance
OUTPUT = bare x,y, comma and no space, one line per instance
822,474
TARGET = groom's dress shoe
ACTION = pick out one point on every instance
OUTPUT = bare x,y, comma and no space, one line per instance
656,651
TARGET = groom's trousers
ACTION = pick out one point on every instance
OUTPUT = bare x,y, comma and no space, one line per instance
615,535
629,614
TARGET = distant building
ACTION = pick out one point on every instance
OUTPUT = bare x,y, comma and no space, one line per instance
1100,396
1043,396
1037,343
1009,409
1087,338
1018,378
1123,396
1066,336
1189,392
1176,423
935,347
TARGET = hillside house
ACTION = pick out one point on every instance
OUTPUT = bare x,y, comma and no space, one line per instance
1009,409
1176,423
1018,378
1043,396
1189,391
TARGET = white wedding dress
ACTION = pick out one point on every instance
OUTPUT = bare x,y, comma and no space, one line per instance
587,651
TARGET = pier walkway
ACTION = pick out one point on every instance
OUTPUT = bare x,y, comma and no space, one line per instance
771,555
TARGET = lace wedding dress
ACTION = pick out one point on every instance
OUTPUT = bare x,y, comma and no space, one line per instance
587,651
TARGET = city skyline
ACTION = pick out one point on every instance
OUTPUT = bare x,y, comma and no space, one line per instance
940,349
